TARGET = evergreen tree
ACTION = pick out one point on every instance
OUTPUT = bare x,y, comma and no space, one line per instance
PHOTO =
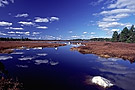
132,29
131,38
115,36
124,35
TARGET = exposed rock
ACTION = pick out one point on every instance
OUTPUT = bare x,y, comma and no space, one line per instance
101,81
56,48
38,48
104,56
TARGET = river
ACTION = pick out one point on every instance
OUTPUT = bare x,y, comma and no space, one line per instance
62,69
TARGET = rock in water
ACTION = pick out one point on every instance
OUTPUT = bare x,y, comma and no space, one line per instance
101,81
56,48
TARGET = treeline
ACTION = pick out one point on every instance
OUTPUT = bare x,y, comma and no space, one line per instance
14,39
93,39
100,39
80,40
126,35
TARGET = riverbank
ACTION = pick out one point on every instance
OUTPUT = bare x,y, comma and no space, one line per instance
6,83
125,51
7,46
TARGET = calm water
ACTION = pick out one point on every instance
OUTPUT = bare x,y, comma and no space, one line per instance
62,69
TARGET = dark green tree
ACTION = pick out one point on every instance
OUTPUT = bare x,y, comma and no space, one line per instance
131,37
124,35
132,28
115,36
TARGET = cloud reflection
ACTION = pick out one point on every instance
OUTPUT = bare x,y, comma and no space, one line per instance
42,54
120,74
26,58
22,66
38,62
5,57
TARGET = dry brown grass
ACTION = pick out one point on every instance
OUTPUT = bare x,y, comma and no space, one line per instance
9,84
5,46
109,49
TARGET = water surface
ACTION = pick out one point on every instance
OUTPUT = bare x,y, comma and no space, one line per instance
62,69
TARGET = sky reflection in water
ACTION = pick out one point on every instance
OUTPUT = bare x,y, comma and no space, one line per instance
49,67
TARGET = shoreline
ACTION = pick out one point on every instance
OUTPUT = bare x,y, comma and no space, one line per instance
7,46
125,51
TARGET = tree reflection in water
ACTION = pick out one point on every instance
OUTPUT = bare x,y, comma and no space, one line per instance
7,83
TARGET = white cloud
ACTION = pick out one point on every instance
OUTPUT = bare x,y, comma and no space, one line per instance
3,34
70,31
11,32
110,24
22,15
26,23
93,33
35,33
19,32
107,19
3,23
120,16
58,38
42,27
96,3
115,17
48,37
13,35
115,30
75,36
85,32
123,4
120,6
25,33
38,19
117,11
14,28
54,19
5,2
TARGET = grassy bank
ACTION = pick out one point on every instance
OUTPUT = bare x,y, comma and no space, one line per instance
6,46
109,49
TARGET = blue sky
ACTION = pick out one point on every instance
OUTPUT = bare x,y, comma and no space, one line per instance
64,19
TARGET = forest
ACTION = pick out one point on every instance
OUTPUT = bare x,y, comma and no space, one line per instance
14,39
126,35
